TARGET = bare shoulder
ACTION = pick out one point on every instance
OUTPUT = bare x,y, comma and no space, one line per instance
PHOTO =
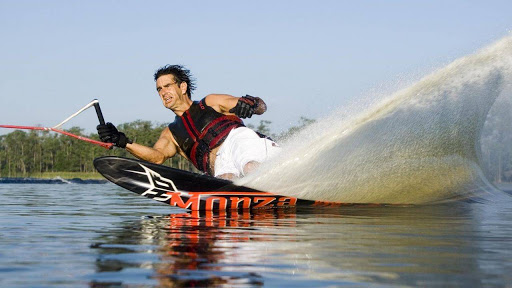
166,132
221,103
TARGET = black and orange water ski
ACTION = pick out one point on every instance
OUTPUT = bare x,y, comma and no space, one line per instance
186,189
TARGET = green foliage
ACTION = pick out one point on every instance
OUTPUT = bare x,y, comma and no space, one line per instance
39,153
303,123
263,128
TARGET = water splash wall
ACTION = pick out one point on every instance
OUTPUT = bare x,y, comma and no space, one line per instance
420,145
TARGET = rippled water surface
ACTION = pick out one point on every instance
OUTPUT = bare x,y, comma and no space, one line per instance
99,235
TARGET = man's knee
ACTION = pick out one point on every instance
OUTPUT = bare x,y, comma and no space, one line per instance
250,166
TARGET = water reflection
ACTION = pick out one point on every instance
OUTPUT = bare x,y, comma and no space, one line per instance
190,247
303,247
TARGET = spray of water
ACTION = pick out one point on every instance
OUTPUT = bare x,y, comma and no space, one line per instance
420,145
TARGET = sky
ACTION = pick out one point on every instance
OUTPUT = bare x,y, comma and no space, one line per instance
304,58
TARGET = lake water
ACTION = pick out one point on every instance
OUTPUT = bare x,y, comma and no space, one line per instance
99,235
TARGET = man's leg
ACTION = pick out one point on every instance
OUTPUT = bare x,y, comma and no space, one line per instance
248,168
241,153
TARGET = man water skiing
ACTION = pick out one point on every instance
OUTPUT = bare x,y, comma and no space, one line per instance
209,132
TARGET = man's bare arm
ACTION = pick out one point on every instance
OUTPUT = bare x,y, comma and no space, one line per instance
163,149
222,103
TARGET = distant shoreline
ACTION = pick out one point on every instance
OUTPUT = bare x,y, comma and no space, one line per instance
56,180
63,175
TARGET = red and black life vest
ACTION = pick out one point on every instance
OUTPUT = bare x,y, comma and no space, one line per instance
199,130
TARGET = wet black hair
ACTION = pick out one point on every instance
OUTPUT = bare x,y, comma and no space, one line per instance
180,73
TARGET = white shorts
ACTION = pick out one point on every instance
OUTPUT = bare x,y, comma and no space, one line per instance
241,147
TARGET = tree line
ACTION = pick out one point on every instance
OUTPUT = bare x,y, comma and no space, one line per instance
24,154
31,153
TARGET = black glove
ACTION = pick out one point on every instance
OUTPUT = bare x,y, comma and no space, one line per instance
245,106
108,133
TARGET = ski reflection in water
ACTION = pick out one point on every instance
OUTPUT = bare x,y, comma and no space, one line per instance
190,248
306,247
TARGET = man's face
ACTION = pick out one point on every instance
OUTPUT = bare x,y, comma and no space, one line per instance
169,91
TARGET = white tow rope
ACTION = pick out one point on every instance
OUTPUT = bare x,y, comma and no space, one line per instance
58,126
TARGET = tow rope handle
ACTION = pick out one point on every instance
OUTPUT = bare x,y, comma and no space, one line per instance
98,111
96,104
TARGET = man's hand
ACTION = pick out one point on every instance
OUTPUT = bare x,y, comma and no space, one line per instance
108,133
247,106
